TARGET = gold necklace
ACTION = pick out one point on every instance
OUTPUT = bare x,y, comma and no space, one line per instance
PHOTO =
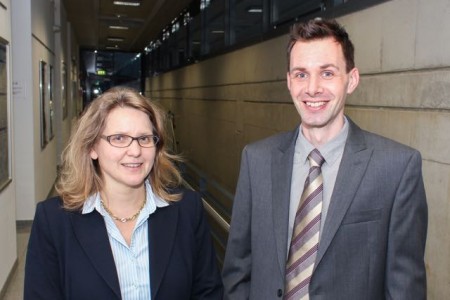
123,220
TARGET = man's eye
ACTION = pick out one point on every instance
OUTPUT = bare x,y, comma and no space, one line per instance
301,75
327,74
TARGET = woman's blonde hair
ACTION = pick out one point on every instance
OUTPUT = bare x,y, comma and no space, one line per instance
80,176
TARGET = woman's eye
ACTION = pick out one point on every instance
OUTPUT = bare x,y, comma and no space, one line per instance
117,137
144,139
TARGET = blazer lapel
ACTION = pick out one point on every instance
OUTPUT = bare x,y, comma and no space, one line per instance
282,162
91,233
351,171
161,239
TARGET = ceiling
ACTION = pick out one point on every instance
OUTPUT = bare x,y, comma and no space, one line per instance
91,21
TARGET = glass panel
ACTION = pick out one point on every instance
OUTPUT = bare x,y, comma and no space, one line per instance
246,20
195,41
181,46
286,10
215,26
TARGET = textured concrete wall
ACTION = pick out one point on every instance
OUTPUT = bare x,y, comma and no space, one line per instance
403,54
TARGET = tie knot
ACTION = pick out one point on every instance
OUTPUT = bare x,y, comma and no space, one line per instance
315,158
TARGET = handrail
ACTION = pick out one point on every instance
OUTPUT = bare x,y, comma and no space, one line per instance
212,182
211,211
208,207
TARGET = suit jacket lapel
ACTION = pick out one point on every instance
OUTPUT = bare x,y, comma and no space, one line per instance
351,171
90,230
161,239
282,162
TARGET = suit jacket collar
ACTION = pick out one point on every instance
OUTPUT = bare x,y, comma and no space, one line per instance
353,165
282,162
90,230
161,238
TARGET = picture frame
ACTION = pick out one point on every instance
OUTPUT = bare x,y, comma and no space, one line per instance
64,91
50,103
42,101
5,157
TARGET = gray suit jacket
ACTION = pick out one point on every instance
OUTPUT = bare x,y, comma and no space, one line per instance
373,241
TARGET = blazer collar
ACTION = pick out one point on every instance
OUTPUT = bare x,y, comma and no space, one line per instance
282,162
161,240
91,233
353,165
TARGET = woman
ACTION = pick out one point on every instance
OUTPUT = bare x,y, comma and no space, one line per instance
121,227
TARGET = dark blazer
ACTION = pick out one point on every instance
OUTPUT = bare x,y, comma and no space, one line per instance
373,240
69,255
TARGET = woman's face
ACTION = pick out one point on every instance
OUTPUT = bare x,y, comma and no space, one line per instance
124,167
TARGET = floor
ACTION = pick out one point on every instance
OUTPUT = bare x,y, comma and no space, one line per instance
14,291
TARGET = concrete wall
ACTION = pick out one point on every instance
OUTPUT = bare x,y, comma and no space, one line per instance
7,195
404,58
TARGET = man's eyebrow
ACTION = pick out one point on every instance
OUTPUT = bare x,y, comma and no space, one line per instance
326,66
297,69
323,67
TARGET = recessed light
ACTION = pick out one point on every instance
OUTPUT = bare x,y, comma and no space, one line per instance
118,27
127,3
254,10
115,39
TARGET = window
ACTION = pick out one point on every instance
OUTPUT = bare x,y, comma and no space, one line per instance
211,27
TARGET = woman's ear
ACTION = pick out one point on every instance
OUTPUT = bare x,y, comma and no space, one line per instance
93,154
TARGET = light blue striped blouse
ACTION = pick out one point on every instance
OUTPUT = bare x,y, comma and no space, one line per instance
132,262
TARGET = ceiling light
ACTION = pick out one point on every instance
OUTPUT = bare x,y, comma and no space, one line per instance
118,27
115,39
127,3
218,31
254,10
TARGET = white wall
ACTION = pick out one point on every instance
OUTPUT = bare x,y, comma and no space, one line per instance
23,108
43,45
7,196
34,39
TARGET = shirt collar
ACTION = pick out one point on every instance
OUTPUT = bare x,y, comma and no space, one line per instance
331,151
153,202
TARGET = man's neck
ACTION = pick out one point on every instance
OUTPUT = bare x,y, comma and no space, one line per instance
319,136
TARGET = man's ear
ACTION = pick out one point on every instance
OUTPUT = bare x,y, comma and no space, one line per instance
288,81
353,80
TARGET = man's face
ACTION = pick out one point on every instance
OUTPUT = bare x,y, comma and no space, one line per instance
319,83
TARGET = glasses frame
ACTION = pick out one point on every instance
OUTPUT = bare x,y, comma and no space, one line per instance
154,137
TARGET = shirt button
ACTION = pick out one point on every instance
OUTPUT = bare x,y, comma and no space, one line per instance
280,292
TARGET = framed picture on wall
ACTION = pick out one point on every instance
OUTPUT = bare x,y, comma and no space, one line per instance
51,110
64,91
4,118
42,101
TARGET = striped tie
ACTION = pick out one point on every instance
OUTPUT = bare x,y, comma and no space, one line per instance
305,236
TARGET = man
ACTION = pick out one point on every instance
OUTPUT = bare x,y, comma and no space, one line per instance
364,236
